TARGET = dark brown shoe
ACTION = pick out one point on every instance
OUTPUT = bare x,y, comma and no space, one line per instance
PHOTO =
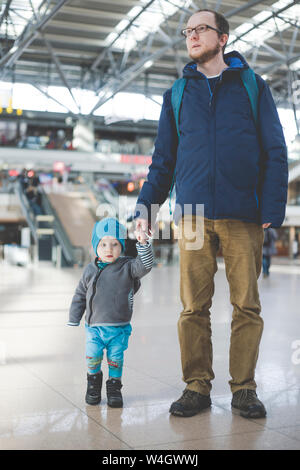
190,403
249,405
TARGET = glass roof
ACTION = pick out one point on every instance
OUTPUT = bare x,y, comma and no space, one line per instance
19,14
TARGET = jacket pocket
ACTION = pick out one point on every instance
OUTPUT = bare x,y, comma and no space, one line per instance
121,301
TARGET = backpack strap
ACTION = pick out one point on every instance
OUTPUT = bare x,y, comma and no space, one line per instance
176,98
249,81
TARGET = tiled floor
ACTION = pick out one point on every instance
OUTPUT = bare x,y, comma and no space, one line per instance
43,376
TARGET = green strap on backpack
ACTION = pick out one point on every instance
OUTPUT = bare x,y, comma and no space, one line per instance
250,84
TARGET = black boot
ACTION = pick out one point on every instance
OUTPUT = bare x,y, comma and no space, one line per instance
94,385
249,405
114,396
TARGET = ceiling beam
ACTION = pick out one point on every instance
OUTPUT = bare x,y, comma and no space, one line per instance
5,12
242,8
22,42
103,53
278,63
60,70
40,89
128,76
113,86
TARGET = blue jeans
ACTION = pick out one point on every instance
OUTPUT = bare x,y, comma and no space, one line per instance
266,264
112,338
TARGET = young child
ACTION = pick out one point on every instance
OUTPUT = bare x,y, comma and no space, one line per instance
105,291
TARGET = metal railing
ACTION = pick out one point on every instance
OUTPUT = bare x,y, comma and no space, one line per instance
73,255
49,224
27,210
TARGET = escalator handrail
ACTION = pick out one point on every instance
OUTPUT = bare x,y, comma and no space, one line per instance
102,197
67,247
27,211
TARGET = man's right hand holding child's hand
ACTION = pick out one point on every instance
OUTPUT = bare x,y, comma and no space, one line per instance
142,231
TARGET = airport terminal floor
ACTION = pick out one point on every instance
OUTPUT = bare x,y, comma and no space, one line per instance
43,371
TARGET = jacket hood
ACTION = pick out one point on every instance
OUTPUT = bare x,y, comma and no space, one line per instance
233,59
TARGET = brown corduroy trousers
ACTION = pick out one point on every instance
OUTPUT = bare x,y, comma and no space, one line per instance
241,244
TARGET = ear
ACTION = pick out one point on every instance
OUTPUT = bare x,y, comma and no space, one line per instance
223,39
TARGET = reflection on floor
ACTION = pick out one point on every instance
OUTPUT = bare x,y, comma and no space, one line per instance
43,375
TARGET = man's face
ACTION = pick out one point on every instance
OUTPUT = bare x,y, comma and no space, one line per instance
207,45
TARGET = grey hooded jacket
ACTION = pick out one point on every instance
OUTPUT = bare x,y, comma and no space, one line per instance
107,295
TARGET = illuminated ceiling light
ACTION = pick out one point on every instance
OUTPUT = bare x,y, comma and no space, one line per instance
148,64
295,66
122,25
134,11
13,49
110,38
130,186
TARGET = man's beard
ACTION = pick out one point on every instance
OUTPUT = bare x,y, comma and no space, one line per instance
207,55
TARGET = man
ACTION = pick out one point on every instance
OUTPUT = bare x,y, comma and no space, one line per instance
269,249
238,170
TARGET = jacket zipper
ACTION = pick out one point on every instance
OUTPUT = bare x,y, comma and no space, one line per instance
93,293
212,94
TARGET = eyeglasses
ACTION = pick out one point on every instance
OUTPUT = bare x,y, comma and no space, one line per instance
201,28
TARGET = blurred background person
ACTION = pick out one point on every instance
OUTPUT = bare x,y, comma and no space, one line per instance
269,249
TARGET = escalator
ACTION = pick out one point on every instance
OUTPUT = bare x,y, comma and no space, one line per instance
67,216
62,229
75,221
106,196
26,209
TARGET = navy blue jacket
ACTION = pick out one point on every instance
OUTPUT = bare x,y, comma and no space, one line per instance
222,160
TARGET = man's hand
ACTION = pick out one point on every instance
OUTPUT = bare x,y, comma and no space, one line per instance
266,225
142,230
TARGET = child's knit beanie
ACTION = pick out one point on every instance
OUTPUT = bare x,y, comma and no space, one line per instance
108,226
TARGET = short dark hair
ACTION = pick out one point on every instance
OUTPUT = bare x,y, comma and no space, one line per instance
221,22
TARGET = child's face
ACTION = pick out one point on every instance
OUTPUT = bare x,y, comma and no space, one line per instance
109,249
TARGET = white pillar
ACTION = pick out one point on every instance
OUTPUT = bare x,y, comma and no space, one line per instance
83,135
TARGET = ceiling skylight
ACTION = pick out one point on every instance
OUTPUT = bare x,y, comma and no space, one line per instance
19,14
255,37
147,22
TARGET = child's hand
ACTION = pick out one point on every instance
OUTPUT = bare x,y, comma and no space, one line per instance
142,230
142,237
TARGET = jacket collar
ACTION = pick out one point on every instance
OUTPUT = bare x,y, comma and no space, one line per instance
233,59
